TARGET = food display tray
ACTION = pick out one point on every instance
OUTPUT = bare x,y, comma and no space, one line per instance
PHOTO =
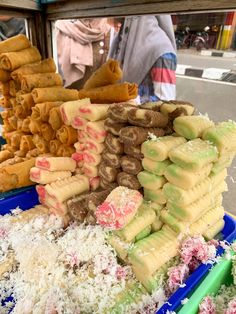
174,302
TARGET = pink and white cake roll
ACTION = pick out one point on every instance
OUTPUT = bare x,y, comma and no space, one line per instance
91,159
79,146
82,136
55,163
64,189
79,158
79,123
70,109
93,146
42,176
119,208
90,171
41,193
94,183
94,112
57,208
96,131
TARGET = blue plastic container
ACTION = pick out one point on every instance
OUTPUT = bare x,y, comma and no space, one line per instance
24,198
174,302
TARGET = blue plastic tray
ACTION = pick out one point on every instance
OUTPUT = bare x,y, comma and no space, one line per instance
174,302
25,199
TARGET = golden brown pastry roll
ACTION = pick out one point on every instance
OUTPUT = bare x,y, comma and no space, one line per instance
67,135
21,112
42,145
13,102
42,111
15,138
47,132
110,93
32,153
54,94
55,119
13,88
15,43
19,124
5,88
25,100
20,153
6,113
25,125
35,126
7,127
26,143
16,176
11,161
109,73
36,138
10,61
44,66
65,151
4,76
54,146
9,148
13,122
5,154
31,81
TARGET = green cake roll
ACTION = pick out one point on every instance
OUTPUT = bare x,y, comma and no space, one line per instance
177,225
158,149
156,207
132,294
223,162
121,247
156,167
157,224
143,234
194,154
223,136
209,219
191,127
193,211
144,217
149,254
186,179
156,196
151,181
180,196
211,232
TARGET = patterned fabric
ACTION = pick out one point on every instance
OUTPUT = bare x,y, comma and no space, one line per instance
159,83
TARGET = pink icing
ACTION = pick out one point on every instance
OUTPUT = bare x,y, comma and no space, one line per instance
96,134
78,122
176,277
82,135
63,115
87,171
35,174
78,157
88,158
207,306
41,192
91,146
231,309
84,110
42,163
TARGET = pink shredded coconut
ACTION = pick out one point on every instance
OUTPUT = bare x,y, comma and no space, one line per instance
176,276
231,307
73,259
120,272
207,306
3,233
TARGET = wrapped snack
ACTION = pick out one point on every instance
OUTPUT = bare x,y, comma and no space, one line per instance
5,154
93,112
65,151
42,145
16,176
25,100
54,146
13,122
146,118
55,119
110,93
16,138
55,163
133,135
106,184
82,136
79,123
14,43
62,190
44,176
4,76
32,153
93,146
41,111
20,153
134,151
13,88
45,94
90,171
119,208
35,126
70,109
91,159
13,102
5,89
153,105
223,161
111,160
155,167
128,180
10,61
156,196
77,208
47,132
79,158
31,81
119,112
113,144
169,106
21,112
131,165
113,127
11,161
107,173
67,135
109,73
96,131
191,127
26,143
44,66
25,125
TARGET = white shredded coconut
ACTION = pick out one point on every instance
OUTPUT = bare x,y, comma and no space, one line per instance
184,301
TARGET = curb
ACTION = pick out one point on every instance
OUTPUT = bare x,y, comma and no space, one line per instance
213,53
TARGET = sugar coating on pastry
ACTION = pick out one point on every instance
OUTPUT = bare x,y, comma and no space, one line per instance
194,154
191,127
119,208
